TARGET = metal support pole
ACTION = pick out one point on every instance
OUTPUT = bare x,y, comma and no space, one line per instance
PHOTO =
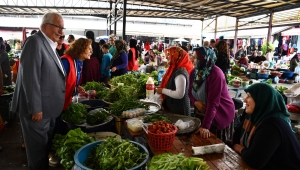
115,26
235,35
124,20
110,8
107,34
216,27
202,20
270,27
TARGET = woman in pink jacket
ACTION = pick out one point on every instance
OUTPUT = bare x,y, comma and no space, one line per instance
209,93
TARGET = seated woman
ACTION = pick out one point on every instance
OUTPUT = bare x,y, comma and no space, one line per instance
260,58
209,93
174,85
243,62
266,140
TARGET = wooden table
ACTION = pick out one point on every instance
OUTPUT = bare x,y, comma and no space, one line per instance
217,161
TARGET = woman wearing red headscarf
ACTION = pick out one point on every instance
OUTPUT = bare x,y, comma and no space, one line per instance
175,83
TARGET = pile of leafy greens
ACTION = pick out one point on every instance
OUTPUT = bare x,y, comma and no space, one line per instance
120,92
66,146
170,161
114,154
126,103
137,81
97,116
8,89
75,114
94,86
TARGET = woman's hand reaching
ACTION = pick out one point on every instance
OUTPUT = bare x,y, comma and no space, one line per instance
238,148
204,133
158,90
80,89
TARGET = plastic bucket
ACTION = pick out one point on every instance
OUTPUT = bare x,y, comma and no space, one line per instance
82,153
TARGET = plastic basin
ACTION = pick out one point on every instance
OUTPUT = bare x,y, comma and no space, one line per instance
82,153
287,74
263,76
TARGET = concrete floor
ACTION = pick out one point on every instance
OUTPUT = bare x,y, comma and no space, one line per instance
13,157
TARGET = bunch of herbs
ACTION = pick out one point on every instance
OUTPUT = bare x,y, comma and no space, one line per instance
65,146
115,154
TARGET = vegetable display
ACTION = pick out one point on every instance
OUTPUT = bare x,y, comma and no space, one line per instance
160,127
293,108
97,116
269,81
75,114
120,92
136,80
8,89
114,154
170,161
94,86
66,146
155,118
231,78
280,89
101,94
126,103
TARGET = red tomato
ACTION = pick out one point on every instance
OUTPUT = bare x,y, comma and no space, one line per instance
158,132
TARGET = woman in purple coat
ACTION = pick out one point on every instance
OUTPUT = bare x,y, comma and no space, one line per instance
209,93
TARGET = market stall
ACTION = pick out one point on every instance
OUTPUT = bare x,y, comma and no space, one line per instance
122,108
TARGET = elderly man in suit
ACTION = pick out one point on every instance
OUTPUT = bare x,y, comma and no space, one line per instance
39,93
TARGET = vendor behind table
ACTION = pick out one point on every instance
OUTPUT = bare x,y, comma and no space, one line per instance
174,85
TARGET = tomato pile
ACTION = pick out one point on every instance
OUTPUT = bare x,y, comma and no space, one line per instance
160,127
293,108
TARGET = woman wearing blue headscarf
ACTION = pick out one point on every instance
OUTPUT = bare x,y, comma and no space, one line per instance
266,139
209,94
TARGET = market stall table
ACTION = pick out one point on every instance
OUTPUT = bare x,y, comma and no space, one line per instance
227,160
183,144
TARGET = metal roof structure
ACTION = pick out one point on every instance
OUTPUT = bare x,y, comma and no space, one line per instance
176,9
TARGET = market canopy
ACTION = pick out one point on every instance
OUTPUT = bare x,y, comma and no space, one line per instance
177,9
181,39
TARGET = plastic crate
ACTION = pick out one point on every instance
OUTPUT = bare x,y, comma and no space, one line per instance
162,141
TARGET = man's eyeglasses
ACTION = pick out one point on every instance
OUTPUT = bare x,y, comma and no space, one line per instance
62,37
58,27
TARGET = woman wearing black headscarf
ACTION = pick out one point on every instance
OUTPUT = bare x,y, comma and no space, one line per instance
266,140
132,56
91,68
119,61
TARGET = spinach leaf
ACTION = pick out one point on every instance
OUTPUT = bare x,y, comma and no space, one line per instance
66,146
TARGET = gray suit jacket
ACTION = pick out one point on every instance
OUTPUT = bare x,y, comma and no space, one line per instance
40,84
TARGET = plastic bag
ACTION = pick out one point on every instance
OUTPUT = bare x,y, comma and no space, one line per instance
184,125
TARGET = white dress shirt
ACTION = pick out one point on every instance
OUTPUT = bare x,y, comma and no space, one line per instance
53,45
